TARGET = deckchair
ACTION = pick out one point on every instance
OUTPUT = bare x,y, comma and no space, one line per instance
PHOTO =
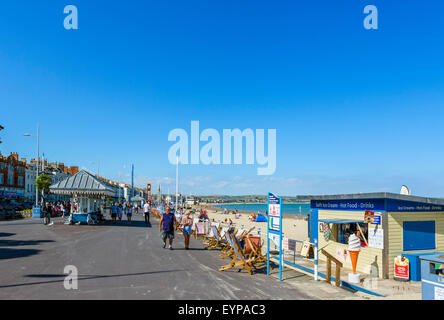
229,250
253,251
210,238
179,224
219,241
200,230
193,227
239,258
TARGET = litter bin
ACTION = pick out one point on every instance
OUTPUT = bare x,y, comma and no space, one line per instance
432,277
37,213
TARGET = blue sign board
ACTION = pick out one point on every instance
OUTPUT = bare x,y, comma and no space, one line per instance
274,229
376,220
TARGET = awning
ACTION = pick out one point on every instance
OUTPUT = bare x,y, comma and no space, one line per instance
340,221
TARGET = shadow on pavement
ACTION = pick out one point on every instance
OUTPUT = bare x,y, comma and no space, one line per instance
189,249
16,243
124,223
6,253
80,277
6,234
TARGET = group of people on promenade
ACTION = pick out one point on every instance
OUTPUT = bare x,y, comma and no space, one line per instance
168,223
56,209
117,211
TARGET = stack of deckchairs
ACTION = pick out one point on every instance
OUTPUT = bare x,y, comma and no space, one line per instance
242,260
226,239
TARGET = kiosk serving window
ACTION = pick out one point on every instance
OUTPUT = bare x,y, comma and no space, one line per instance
344,230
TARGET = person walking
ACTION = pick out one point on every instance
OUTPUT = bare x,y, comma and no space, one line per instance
120,211
114,212
47,213
166,227
146,212
129,212
187,223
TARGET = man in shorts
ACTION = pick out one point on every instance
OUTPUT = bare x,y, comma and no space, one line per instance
166,227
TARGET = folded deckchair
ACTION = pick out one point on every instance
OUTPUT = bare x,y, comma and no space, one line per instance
193,227
179,225
200,230
239,258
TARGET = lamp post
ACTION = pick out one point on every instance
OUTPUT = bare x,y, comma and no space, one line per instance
38,163
177,180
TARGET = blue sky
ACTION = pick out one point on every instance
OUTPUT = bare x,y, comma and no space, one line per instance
355,110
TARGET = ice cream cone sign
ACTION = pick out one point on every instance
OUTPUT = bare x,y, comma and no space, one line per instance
354,248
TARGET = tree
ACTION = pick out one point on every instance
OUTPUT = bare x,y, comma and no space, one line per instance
42,183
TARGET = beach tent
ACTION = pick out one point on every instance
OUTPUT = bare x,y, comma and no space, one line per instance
261,218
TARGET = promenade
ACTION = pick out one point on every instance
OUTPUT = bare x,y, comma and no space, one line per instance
128,262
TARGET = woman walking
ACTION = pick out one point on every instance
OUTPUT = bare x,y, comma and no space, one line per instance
120,211
129,212
187,223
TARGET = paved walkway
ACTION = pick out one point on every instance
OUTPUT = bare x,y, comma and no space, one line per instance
128,262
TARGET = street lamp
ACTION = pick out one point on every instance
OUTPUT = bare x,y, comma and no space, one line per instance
38,163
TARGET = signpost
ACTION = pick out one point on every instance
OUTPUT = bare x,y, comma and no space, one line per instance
274,229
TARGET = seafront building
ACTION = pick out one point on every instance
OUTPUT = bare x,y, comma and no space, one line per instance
17,177
12,176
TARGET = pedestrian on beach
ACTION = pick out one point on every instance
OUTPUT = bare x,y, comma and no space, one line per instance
114,212
187,223
166,227
146,212
129,212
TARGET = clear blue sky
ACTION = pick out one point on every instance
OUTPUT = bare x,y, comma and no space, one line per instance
355,110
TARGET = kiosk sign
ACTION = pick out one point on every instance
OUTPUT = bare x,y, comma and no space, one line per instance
274,229
401,265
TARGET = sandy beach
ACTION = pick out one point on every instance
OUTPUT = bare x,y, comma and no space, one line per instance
294,226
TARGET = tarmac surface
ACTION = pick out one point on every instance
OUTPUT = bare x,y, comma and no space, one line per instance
127,261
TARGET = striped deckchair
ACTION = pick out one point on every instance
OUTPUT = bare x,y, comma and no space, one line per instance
253,251
239,258
200,230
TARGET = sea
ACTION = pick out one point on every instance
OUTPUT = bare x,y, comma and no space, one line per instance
287,208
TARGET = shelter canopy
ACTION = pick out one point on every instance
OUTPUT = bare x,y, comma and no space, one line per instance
83,183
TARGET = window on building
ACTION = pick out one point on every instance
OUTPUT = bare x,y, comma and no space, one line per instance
21,181
1,178
341,232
